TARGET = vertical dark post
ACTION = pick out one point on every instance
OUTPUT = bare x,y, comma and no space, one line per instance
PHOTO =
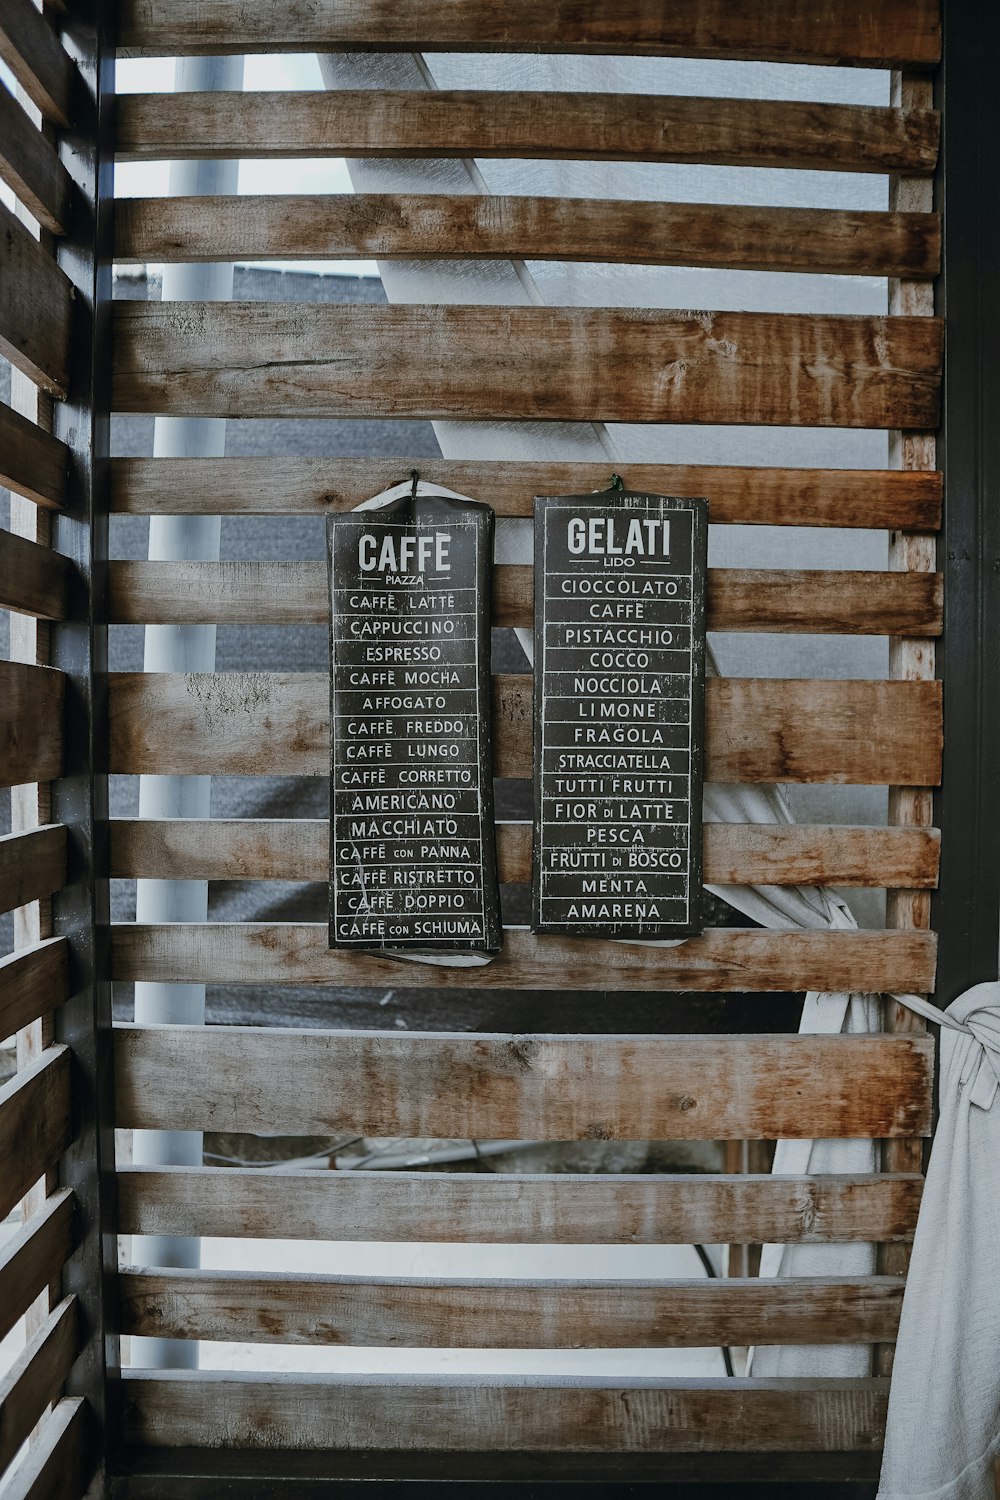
967,904
79,648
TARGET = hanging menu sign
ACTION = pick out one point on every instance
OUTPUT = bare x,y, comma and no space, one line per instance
412,844
619,713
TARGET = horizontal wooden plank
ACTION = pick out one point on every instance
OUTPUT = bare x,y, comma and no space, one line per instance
32,462
34,1124
473,1314
899,499
36,57
721,959
501,1413
840,242
734,854
256,359
34,580
33,981
30,167
297,593
36,1378
32,865
873,33
498,1208
508,1087
36,307
54,1467
34,1257
500,123
757,730
31,727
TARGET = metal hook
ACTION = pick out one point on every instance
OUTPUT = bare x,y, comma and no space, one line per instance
617,482
414,481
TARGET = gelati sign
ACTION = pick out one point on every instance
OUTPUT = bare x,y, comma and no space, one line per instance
412,844
619,714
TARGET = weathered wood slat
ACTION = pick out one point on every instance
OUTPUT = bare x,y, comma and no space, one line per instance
36,1378
876,498
256,359
721,959
37,59
31,725
297,593
503,1413
32,865
33,981
471,1314
763,730
886,33
36,303
503,1209
508,1087
734,854
30,167
33,579
34,1257
499,123
34,1124
319,226
53,1468
32,462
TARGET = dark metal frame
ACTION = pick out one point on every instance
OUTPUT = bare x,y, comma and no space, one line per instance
79,649
965,909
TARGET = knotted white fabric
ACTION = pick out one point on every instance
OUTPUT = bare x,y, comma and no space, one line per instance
943,1432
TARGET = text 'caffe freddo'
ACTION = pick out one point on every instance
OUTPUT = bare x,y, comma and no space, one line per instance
412,852
619,711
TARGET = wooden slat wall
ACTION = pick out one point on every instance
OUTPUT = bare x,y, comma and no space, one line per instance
261,359
281,359
758,730
887,33
39,317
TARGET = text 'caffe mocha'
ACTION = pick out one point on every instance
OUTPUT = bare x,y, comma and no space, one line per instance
412,852
619,709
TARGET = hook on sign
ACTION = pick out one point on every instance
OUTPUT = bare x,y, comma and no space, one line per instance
414,481
617,482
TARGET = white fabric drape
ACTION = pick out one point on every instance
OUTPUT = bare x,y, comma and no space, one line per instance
943,1431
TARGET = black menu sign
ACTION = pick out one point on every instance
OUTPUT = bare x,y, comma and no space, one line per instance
619,712
412,850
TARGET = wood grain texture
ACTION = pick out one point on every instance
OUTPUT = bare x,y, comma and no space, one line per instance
34,1257
873,33
34,1124
34,580
721,959
31,169
32,865
382,226
36,1378
297,593
379,1312
246,359
734,853
502,1208
506,1087
54,1467
31,726
500,1414
757,730
33,982
36,57
36,305
877,498
536,126
32,462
